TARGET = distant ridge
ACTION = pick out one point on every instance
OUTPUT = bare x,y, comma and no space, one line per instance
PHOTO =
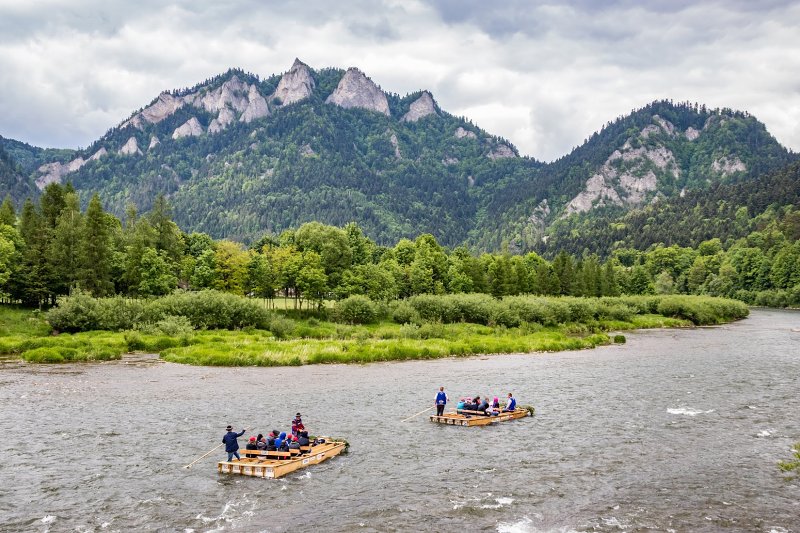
239,156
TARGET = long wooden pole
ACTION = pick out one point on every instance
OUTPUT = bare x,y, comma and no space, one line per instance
423,411
209,452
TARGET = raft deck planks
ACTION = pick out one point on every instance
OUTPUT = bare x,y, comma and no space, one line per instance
275,468
458,419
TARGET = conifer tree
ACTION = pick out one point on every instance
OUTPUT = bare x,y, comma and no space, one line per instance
96,272
8,215
30,285
66,248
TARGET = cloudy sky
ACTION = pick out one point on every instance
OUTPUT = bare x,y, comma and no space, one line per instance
545,75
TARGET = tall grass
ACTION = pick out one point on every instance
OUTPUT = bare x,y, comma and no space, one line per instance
216,329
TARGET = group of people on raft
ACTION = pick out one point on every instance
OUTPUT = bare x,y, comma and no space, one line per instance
476,405
275,441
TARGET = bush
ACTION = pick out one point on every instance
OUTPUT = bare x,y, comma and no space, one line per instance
281,327
172,326
503,315
404,313
619,339
134,341
211,310
434,308
356,309
409,331
77,312
203,310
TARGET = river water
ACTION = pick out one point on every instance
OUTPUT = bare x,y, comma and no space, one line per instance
675,430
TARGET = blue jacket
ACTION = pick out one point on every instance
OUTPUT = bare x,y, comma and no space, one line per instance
441,398
513,404
231,444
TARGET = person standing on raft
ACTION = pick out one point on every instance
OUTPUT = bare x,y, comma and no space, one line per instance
441,401
231,444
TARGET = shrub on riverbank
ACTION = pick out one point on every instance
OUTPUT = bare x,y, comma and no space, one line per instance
547,311
203,310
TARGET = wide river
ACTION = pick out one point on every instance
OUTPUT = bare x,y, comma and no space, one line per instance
675,430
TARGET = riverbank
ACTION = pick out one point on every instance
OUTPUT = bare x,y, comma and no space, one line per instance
300,341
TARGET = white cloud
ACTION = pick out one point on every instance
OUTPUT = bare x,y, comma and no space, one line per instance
545,76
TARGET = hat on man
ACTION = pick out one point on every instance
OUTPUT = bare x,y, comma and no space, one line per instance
229,428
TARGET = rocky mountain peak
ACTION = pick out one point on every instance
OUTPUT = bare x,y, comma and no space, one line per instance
191,127
421,107
356,90
165,105
131,147
232,93
295,85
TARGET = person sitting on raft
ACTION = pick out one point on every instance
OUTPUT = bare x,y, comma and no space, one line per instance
511,405
271,440
303,439
261,442
294,444
460,405
496,403
251,445
279,441
484,406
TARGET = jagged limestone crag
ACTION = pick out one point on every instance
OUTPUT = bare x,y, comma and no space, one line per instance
256,108
356,90
296,85
461,133
421,107
501,151
131,147
728,165
628,177
191,127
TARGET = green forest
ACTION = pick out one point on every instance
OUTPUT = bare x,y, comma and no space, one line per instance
52,247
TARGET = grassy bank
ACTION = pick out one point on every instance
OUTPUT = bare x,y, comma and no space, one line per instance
181,330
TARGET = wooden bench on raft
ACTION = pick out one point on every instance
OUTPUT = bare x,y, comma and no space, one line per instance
258,454
480,413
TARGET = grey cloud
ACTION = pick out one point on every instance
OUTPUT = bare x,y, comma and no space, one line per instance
542,74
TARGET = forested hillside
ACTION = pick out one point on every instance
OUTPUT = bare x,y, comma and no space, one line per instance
725,211
238,156
54,246
660,151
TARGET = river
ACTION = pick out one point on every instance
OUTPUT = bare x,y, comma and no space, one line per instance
674,430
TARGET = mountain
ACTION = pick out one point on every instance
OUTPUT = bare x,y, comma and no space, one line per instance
725,211
238,156
660,151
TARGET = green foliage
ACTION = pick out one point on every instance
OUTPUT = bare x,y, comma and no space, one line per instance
203,310
356,310
619,339
794,464
404,313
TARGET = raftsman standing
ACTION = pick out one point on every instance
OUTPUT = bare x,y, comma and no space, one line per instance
441,401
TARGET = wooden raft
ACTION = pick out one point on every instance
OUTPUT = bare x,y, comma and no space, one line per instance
477,418
277,464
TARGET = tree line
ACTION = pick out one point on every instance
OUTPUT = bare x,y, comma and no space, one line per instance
52,247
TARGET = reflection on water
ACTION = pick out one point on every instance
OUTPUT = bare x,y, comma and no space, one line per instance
676,429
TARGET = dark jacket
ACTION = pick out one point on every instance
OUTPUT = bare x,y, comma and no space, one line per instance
483,406
302,440
231,444
294,445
